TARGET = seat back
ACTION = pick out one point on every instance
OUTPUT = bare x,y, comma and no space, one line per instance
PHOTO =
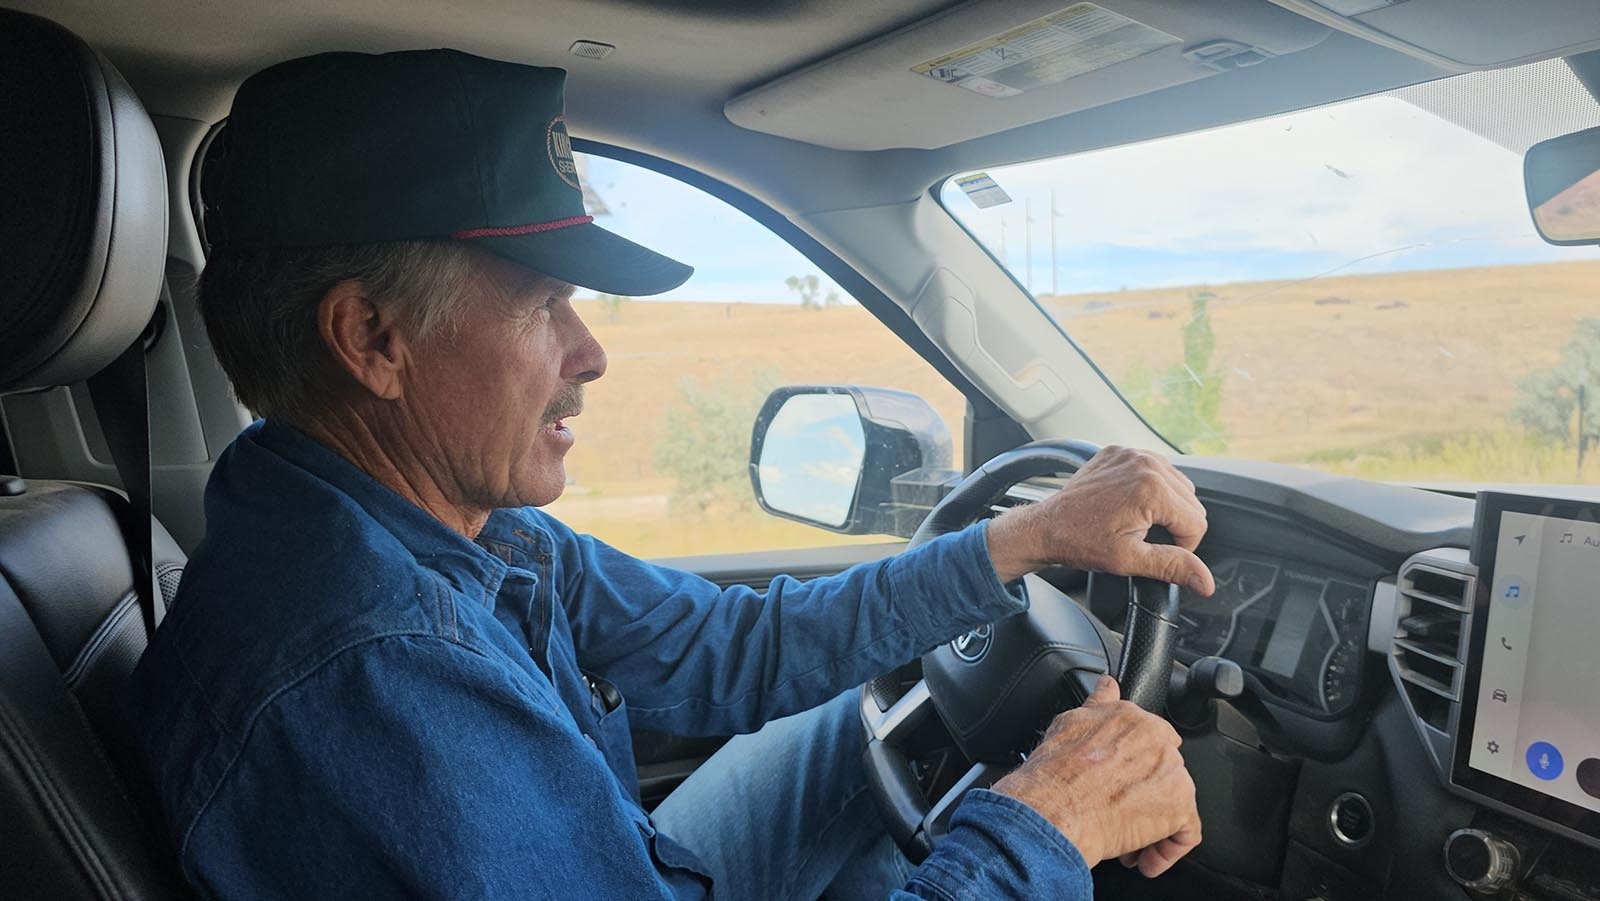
70,635
82,242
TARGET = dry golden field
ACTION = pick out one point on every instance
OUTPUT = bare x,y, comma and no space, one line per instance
1406,376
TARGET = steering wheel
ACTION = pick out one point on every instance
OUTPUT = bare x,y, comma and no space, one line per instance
997,687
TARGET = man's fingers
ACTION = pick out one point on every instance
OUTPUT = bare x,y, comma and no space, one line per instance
1185,517
1171,563
1159,857
1105,691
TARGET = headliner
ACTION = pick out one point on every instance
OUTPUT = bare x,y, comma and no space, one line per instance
677,63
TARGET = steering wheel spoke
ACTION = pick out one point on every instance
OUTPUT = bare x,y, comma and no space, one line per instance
936,825
903,716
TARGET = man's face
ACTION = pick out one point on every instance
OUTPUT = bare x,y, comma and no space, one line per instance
489,398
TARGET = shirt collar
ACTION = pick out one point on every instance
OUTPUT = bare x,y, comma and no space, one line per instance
434,544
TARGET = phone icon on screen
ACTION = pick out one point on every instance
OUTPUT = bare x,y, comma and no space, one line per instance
1505,644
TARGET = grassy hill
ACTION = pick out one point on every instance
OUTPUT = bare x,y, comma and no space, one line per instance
1402,376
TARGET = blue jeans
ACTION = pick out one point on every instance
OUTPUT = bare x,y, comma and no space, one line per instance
785,813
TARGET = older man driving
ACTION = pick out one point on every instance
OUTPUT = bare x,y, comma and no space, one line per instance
388,673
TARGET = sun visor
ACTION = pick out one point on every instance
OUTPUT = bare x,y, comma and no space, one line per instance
993,65
1464,36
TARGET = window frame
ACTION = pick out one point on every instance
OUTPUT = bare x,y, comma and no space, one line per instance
936,192
986,429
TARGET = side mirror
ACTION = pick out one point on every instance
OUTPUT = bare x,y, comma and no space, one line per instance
1562,176
850,459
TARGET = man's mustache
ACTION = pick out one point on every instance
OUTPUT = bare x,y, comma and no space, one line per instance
567,402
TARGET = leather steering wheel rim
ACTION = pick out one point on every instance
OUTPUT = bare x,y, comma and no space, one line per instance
1144,671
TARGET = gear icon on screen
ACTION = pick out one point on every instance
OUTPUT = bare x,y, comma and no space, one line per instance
1494,747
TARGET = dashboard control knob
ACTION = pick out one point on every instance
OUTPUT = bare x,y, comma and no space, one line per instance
1351,820
1191,699
1480,861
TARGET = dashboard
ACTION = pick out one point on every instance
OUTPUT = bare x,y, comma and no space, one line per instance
1299,633
1354,610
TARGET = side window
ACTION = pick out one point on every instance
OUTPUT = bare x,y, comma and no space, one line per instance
661,464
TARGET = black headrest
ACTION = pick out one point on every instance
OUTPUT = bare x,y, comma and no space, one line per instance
83,226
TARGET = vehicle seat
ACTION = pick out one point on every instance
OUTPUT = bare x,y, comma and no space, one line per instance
82,244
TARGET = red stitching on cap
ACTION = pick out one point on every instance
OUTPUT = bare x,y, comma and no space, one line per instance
522,229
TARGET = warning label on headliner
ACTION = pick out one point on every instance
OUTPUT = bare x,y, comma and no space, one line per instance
1081,38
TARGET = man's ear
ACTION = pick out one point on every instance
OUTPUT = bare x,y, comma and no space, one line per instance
363,339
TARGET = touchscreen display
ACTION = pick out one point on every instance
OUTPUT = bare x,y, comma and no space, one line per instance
1538,699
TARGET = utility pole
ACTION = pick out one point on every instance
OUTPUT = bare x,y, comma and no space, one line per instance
1027,243
1054,287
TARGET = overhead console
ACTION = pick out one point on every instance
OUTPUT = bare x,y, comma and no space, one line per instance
992,65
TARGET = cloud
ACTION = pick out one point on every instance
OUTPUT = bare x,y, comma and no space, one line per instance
736,259
1375,178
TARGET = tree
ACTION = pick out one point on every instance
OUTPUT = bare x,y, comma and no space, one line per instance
613,304
1557,402
706,445
1184,402
808,287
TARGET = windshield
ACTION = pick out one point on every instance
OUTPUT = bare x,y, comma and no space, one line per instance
1356,287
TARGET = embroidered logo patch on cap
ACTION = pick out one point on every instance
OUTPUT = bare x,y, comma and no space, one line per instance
559,147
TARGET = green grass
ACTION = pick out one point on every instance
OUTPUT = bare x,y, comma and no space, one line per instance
1501,455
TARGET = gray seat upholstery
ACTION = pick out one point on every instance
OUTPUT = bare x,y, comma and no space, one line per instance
82,244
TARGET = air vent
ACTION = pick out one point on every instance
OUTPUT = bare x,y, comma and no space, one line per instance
591,49
1426,654
1024,493
1007,502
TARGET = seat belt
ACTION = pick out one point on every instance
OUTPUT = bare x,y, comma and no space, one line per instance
122,405
8,457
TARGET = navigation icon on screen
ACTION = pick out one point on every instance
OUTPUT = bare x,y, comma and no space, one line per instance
1519,538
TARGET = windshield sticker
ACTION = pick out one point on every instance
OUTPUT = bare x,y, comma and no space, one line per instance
982,190
1081,38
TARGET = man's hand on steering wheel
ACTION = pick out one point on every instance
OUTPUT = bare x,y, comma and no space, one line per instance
1099,521
1109,776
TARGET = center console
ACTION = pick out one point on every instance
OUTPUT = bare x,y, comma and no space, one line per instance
1527,736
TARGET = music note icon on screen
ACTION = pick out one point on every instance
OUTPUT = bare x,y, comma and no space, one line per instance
1513,591
1566,538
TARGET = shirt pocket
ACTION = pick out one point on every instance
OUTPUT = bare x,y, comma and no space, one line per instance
612,734
678,866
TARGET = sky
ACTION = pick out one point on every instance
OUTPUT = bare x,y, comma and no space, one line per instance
1369,185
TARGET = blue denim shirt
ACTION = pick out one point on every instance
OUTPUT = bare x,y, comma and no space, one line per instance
350,699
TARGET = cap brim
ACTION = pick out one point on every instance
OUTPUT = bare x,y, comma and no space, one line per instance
591,257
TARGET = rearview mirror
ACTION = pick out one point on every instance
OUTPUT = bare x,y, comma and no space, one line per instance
1562,176
849,458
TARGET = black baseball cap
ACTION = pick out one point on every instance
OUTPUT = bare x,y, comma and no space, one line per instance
356,148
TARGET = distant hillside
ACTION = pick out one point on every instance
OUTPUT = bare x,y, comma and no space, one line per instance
1322,371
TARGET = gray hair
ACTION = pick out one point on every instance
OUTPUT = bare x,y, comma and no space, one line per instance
260,311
